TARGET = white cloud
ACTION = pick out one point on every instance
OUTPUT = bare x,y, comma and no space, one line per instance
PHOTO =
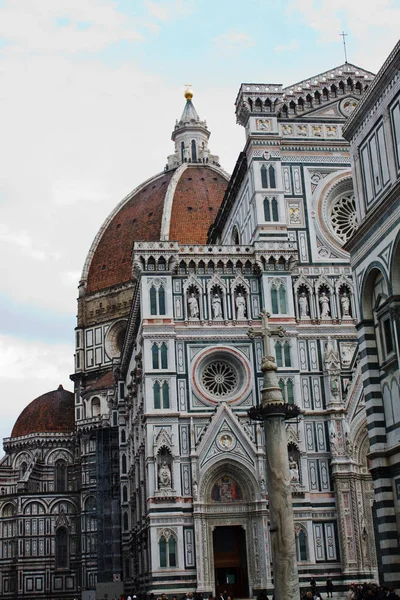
287,47
166,9
27,370
233,42
372,27
72,27
22,241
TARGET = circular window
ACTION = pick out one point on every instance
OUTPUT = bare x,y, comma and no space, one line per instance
344,217
221,374
115,337
219,379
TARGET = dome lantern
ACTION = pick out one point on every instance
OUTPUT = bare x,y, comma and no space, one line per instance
191,136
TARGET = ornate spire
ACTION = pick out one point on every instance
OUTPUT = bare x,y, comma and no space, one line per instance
191,138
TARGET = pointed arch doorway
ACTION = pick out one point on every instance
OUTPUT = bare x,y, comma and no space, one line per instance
230,518
230,561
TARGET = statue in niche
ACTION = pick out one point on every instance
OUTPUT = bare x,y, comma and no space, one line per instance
332,443
335,386
294,470
303,305
349,445
324,303
193,306
216,307
345,304
240,306
164,475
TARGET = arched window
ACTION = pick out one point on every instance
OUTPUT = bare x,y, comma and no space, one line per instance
194,151
286,347
278,354
167,549
61,476
95,407
172,552
157,395
123,464
272,180
182,151
274,301
282,353
275,214
91,514
61,548
153,300
264,178
163,551
235,236
123,436
267,210
161,300
282,299
164,356
165,394
157,300
301,545
154,354
126,521
124,494
278,298
289,390
162,264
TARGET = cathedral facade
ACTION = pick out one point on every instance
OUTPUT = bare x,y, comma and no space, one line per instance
157,477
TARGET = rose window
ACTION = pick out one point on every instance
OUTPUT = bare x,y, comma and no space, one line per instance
221,374
344,217
219,379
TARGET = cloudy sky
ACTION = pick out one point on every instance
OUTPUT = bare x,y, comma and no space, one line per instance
89,94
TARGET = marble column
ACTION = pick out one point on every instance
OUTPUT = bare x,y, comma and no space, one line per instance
273,412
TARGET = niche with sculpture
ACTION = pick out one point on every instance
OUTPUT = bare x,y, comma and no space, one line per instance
294,463
164,469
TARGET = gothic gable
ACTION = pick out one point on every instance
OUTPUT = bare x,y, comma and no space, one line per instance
225,438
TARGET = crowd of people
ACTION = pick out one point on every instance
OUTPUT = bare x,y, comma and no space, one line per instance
365,591
371,591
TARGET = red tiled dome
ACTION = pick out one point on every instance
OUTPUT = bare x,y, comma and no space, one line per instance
191,195
51,413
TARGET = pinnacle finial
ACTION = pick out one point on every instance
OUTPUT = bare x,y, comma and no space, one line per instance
188,91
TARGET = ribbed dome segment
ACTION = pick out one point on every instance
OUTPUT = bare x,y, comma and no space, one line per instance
51,413
198,196
186,200
138,219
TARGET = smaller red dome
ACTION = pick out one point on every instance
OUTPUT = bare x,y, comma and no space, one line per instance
50,413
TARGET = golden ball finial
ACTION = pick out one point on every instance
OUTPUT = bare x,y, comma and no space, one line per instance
188,92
